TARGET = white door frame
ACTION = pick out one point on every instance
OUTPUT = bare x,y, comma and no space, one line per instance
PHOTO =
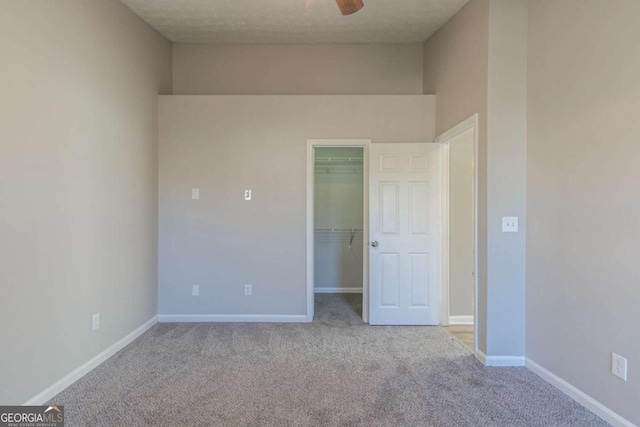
360,143
445,139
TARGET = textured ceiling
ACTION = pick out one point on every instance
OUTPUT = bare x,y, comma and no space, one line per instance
294,21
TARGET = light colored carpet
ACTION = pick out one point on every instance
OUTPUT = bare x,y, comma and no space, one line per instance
336,371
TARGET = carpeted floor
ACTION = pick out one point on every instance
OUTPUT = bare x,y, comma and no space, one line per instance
336,371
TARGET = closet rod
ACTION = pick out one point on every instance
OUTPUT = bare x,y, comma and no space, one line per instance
338,229
329,171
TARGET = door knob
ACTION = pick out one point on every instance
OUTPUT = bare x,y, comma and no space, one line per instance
374,243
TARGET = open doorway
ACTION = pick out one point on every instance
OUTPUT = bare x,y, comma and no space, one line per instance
459,285
337,229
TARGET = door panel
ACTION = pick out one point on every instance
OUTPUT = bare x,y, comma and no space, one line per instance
404,233
419,207
389,208
390,279
419,276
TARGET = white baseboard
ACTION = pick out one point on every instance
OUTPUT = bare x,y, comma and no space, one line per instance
211,318
76,374
460,320
499,360
337,290
579,396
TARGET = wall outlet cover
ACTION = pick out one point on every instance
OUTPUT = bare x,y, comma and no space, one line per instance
619,366
248,290
195,193
195,290
95,321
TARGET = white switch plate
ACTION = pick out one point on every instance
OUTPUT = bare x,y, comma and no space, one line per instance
619,366
247,194
95,321
195,193
248,291
195,290
509,224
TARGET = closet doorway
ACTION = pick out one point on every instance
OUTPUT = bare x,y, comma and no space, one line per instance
337,226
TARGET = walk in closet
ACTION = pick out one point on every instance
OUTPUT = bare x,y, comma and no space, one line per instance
338,219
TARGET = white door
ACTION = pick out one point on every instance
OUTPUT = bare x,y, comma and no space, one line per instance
404,191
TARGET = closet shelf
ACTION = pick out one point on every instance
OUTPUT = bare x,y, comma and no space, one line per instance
338,165
338,160
352,232
337,230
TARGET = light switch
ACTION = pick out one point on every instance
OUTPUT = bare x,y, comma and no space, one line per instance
195,193
247,194
509,224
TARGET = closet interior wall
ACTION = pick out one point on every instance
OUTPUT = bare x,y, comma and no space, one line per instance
338,193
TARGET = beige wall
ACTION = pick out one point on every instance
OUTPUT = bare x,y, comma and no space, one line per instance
583,203
461,219
78,184
506,176
226,144
297,69
456,70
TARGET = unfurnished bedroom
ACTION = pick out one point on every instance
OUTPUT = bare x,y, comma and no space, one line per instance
319,213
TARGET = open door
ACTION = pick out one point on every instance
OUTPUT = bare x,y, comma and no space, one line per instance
404,191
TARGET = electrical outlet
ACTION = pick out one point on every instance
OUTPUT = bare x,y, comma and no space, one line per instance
247,195
195,193
619,366
95,321
195,290
248,290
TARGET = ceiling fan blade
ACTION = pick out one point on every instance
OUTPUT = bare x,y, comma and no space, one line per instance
347,7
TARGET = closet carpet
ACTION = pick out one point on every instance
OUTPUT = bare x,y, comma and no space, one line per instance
336,371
